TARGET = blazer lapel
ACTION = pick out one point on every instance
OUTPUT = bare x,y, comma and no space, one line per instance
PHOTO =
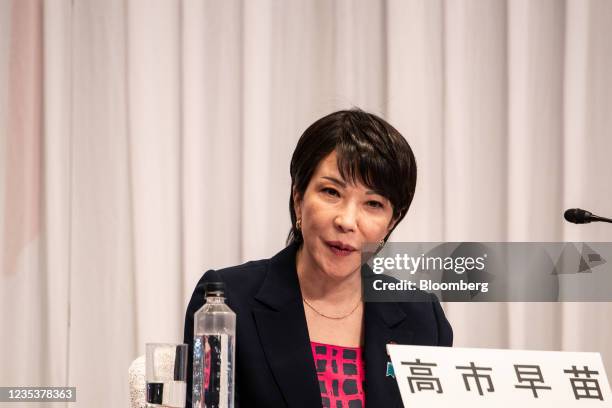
281,326
384,323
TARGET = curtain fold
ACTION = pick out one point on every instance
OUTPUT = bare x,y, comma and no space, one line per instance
143,142
57,168
25,282
107,309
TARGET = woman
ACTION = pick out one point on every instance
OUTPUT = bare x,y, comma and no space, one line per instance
304,336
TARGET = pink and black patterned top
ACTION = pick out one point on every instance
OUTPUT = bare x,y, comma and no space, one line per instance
341,375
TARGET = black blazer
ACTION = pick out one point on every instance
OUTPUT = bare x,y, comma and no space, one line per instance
274,362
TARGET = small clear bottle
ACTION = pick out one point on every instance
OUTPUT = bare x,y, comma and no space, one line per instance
214,344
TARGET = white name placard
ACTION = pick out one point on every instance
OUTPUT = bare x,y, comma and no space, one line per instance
475,377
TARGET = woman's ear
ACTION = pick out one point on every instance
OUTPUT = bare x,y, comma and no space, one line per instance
393,222
297,203
391,225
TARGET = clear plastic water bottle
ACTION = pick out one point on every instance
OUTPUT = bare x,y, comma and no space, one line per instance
214,344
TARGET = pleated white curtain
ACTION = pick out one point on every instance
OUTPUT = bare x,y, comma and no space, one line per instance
144,141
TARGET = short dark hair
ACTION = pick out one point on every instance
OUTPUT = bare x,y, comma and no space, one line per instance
368,149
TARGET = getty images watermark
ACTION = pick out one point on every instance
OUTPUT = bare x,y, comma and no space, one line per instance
488,272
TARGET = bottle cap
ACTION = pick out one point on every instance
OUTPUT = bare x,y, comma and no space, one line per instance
214,289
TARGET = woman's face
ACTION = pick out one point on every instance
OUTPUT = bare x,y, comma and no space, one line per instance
337,219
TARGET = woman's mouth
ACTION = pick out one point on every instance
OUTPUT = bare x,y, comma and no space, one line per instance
339,248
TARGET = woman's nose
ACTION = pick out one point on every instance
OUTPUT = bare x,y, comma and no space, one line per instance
346,220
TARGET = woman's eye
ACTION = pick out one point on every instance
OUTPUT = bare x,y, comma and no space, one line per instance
331,191
375,204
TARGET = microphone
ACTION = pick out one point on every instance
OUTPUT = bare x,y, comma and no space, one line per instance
580,216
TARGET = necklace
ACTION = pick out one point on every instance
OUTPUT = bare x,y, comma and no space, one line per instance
331,317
